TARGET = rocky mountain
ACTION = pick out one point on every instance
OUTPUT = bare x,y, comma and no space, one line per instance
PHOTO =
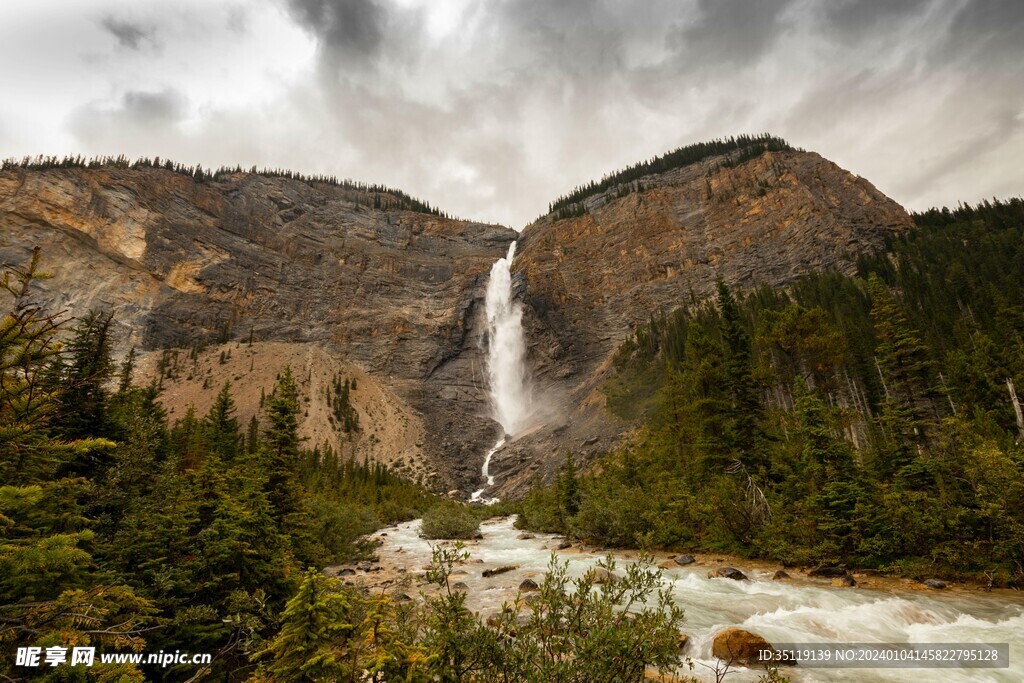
234,277
635,248
208,266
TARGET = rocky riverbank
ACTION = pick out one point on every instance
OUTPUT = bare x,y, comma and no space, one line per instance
802,608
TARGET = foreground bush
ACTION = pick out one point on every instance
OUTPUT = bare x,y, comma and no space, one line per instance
570,632
450,521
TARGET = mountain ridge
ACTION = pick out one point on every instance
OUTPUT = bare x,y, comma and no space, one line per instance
188,259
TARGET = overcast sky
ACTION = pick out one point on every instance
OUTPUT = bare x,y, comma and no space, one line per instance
492,108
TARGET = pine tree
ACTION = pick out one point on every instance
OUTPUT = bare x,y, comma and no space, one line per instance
281,444
744,434
49,590
909,409
568,487
89,367
314,624
222,433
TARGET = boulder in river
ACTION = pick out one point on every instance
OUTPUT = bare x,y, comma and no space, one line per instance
602,575
525,537
564,545
684,640
460,586
727,573
739,647
528,586
781,575
935,584
844,580
683,560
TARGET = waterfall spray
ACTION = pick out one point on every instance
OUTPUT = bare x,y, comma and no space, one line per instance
506,354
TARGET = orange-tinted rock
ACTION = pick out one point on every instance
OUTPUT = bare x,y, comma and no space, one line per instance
739,646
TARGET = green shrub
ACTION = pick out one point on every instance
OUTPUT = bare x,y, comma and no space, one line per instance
450,520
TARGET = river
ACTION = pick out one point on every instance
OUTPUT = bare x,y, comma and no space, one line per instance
802,610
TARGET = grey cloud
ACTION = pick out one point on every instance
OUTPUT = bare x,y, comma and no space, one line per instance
129,35
237,19
731,32
524,99
137,112
990,29
166,106
857,19
347,28
1000,127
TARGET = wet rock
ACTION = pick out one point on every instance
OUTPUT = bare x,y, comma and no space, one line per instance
601,575
683,560
364,566
781,576
739,646
727,573
488,573
525,537
528,585
460,586
935,584
844,581
564,545
400,570
684,640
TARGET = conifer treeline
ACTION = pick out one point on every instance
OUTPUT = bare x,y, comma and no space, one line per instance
384,197
869,420
127,531
740,149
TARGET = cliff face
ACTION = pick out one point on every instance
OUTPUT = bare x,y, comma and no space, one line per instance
587,280
393,293
321,280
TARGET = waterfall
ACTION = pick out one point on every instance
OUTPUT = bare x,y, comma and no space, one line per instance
506,353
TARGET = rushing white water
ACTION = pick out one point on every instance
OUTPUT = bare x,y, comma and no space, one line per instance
506,351
506,367
799,611
478,495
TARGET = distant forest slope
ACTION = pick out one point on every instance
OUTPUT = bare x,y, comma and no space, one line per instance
739,149
871,419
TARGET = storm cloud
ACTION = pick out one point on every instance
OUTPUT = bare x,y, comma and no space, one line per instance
128,35
492,108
